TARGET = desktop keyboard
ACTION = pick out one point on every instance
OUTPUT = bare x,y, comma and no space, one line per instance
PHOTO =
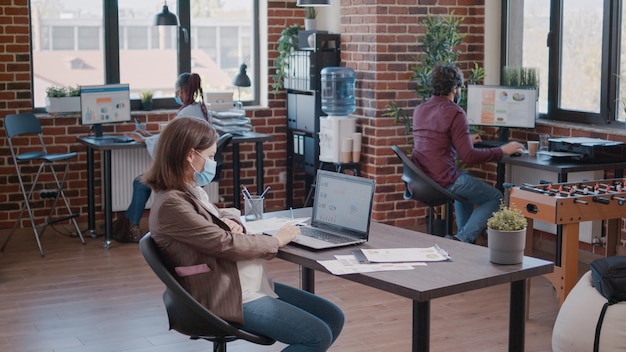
324,236
490,144
122,139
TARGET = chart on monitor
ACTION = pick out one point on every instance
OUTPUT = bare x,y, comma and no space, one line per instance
501,106
102,104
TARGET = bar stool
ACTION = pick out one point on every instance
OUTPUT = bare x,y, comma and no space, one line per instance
25,125
336,167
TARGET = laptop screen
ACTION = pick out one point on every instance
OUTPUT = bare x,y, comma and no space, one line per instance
343,203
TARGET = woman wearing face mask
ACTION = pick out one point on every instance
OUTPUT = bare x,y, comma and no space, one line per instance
188,94
214,260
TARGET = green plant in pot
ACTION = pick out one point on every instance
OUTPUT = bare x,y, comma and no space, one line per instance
310,22
62,99
287,44
146,99
506,235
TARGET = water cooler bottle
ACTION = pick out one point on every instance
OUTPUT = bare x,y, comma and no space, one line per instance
337,129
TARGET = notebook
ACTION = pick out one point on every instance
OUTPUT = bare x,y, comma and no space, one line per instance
342,211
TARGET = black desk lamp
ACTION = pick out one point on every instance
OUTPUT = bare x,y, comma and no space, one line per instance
165,18
241,80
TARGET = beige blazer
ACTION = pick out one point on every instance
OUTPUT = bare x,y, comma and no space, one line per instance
203,252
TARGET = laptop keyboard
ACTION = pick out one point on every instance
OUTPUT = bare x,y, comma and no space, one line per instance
324,236
490,144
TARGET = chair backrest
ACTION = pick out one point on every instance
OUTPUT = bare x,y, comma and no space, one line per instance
419,186
185,314
222,143
24,123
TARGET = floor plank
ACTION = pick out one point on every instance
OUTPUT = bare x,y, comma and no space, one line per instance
83,298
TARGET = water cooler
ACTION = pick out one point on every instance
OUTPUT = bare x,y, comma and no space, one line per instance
337,129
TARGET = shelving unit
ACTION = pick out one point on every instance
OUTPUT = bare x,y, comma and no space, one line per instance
304,105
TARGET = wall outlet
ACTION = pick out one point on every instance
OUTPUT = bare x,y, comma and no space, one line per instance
47,194
282,176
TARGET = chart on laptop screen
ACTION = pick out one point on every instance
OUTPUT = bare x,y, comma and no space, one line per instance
343,202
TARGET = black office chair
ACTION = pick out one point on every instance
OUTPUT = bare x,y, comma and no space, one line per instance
222,143
422,188
25,126
185,314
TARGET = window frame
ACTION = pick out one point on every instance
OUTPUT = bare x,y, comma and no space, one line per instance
111,48
611,36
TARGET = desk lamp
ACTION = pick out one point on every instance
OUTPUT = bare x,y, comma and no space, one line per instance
241,80
313,3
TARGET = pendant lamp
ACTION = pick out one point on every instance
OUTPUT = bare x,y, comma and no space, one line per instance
165,18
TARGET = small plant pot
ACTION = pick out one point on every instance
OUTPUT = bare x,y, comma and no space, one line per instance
147,106
506,247
310,24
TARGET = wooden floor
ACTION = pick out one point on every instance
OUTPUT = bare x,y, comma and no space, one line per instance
83,298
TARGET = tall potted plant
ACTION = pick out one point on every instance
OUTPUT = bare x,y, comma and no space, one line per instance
506,235
439,41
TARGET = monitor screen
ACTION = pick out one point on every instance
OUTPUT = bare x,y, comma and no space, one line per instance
107,103
501,106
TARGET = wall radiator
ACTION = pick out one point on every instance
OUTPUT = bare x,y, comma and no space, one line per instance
126,164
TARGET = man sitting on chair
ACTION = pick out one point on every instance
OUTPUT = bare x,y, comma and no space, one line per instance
440,135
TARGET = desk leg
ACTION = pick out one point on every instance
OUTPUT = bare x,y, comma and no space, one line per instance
308,279
91,199
517,316
236,175
421,326
108,200
259,168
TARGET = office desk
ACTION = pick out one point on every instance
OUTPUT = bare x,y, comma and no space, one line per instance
106,145
469,270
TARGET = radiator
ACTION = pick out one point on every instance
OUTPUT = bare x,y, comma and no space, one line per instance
518,175
126,164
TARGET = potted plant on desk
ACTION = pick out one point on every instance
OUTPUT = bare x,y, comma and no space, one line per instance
506,235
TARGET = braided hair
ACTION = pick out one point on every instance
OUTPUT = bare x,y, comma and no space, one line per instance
193,86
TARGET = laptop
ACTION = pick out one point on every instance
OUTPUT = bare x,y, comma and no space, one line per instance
342,211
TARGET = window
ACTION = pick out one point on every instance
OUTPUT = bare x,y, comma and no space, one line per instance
576,44
113,41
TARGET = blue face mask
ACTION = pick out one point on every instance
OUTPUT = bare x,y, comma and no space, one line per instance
206,176
178,101
459,96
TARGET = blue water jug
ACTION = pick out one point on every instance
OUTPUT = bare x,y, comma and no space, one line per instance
338,91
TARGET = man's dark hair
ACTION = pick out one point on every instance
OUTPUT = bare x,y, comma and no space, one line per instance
443,78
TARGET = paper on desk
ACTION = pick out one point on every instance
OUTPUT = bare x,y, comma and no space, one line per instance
271,224
404,255
348,264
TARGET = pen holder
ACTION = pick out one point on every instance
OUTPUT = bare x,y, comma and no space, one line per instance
253,208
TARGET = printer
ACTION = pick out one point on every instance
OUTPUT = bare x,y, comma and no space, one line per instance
591,150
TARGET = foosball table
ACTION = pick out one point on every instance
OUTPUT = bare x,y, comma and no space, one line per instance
568,204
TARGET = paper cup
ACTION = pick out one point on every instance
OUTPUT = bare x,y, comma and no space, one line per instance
533,146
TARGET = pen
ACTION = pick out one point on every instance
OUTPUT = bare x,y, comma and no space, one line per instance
245,192
265,192
291,210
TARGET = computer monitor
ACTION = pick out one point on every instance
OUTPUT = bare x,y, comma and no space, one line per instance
502,106
107,103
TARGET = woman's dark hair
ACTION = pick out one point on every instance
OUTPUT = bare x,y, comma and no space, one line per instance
192,84
170,168
444,78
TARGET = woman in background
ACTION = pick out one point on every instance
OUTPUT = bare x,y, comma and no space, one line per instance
188,94
220,265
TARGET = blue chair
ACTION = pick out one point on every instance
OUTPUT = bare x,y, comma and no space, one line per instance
25,126
421,187
188,316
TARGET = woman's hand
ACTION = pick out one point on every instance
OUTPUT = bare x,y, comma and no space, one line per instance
233,225
287,234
